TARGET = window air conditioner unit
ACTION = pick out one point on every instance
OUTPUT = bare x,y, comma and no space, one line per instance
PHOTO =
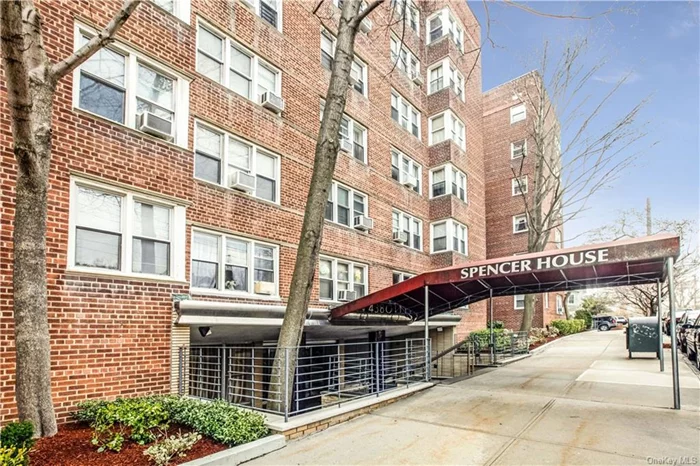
154,125
363,223
417,78
346,145
347,295
410,181
241,181
272,101
399,237
366,25
264,288
355,76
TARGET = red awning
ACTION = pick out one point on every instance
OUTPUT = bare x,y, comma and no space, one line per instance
619,263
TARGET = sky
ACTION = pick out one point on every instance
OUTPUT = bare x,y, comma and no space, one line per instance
658,44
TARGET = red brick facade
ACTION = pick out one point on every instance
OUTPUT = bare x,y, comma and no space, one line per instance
111,333
502,205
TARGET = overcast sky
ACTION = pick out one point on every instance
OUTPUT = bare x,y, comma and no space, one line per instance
657,43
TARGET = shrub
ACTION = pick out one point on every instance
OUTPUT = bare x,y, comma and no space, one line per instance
162,452
497,324
568,327
483,337
17,434
585,315
14,456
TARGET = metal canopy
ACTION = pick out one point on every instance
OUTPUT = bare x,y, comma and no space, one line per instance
619,263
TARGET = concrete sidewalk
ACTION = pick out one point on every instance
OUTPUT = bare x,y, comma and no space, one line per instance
580,401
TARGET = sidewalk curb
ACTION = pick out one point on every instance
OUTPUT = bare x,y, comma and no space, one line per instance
539,349
242,453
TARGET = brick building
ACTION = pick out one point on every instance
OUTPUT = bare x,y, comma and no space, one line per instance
510,113
180,164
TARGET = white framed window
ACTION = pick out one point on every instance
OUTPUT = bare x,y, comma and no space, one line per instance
408,13
120,232
560,305
220,155
405,170
519,301
449,235
404,59
444,23
518,149
229,63
546,300
445,126
335,275
411,226
353,132
572,298
557,239
359,71
447,179
270,11
120,85
444,74
403,113
517,113
223,263
520,223
178,8
398,277
327,49
344,204
519,185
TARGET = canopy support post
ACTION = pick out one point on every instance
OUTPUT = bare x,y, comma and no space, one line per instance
661,330
492,344
672,331
427,334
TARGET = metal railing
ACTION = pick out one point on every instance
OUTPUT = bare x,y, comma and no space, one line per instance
326,375
456,361
505,345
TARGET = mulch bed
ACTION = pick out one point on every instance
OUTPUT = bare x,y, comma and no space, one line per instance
71,447
547,340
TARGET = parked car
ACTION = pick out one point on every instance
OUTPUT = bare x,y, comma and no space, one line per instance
687,320
621,320
604,323
693,342
667,320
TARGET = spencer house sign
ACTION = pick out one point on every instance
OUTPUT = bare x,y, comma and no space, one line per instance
559,261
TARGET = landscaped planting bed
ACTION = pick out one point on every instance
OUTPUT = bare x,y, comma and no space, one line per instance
152,430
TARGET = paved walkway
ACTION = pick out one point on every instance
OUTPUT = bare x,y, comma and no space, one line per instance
579,401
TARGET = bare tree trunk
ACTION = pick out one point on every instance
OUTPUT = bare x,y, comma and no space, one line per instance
528,313
31,83
567,312
325,157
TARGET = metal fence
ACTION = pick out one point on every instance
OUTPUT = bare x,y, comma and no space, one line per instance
326,375
454,363
505,345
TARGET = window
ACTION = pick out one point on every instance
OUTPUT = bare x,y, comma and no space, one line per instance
336,275
236,265
227,62
411,226
517,113
116,231
270,11
353,132
404,114
359,70
398,277
546,300
408,13
448,176
403,58
519,185
443,75
443,23
119,85
327,49
219,155
519,301
344,204
446,126
449,235
519,223
560,305
572,298
518,149
405,170
177,8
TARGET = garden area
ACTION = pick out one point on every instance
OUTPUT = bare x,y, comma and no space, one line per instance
150,430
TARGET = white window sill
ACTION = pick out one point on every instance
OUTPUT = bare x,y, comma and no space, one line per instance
235,191
232,92
521,231
94,271
233,294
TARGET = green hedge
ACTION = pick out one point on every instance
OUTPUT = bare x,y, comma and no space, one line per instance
483,337
568,327
585,315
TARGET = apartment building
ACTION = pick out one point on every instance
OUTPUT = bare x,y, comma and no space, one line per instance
510,113
182,153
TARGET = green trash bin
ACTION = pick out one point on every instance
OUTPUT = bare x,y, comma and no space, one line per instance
643,335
